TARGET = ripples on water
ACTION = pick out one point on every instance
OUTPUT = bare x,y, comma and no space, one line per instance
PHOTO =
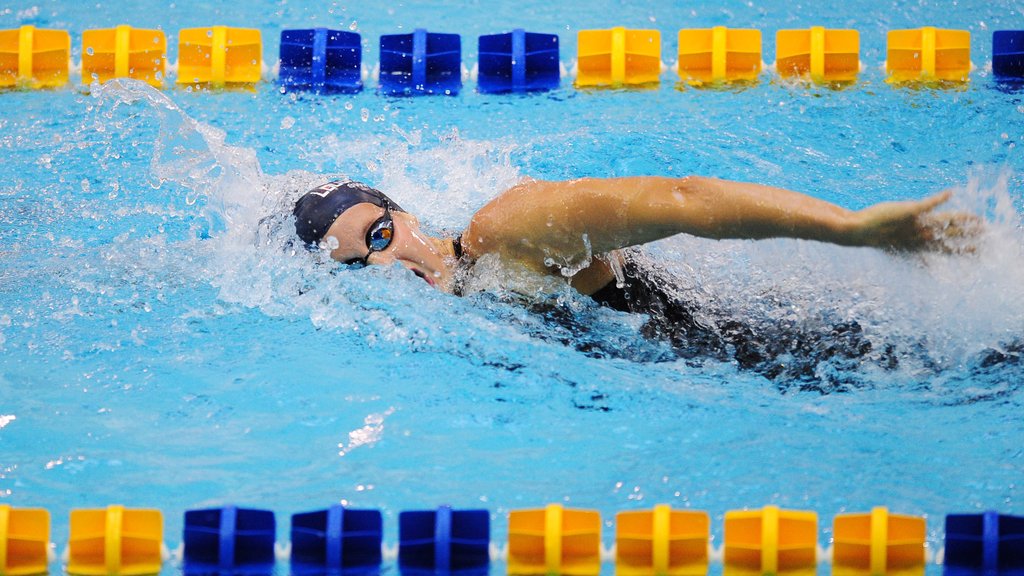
190,210
926,317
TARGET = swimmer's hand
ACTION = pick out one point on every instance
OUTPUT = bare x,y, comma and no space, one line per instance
914,226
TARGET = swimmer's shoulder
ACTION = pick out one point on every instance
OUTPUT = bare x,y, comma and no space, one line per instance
495,228
531,224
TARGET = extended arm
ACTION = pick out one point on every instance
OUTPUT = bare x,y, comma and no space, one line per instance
545,220
722,209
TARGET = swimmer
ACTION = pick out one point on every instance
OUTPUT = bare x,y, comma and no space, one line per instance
589,233
585,226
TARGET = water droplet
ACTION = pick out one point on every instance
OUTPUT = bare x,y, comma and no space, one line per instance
349,106
90,51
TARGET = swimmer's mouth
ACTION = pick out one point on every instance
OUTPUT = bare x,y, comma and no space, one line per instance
428,279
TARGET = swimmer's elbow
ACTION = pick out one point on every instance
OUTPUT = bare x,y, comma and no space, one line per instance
694,183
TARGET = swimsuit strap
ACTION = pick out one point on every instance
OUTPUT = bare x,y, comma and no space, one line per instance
457,247
463,265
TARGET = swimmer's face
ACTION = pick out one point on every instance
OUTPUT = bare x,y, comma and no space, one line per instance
360,226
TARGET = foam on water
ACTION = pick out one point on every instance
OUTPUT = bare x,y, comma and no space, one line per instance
247,249
951,306
942,312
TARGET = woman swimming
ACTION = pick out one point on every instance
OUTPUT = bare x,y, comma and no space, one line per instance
587,232
577,229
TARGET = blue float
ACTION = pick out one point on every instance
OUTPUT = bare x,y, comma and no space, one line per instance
1008,54
336,541
444,541
518,61
229,540
321,60
989,544
420,63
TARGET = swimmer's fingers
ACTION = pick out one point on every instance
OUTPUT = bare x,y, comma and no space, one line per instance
915,226
884,215
934,201
951,232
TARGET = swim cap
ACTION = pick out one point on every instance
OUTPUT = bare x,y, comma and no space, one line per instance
321,206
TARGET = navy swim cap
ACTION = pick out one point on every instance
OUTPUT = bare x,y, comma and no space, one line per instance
321,206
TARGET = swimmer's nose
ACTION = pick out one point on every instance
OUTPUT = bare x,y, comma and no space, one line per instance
409,245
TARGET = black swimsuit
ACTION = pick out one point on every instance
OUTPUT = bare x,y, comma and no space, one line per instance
786,353
774,350
457,247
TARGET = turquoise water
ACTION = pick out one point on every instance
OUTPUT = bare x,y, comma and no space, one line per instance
160,344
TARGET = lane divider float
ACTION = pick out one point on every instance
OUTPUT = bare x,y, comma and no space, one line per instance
119,541
422,63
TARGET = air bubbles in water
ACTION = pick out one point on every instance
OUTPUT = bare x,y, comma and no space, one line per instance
935,307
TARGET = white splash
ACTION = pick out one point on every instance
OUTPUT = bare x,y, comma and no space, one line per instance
369,434
951,307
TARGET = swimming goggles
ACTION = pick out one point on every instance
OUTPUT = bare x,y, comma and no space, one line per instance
378,237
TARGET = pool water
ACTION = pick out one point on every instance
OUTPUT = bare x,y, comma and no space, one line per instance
162,344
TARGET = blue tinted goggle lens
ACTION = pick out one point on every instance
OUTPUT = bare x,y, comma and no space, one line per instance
378,237
380,234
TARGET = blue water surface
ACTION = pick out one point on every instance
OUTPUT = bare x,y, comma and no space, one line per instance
162,344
